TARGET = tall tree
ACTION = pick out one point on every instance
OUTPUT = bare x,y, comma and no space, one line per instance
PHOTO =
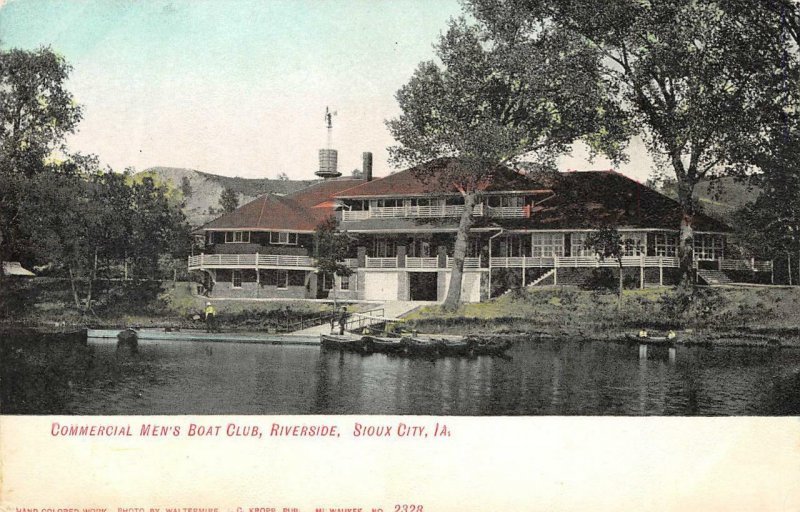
607,243
696,79
228,200
331,247
770,225
36,112
491,106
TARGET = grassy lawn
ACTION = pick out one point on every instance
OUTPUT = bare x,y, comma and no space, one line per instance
565,309
48,302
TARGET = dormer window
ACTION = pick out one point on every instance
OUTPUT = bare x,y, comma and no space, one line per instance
276,238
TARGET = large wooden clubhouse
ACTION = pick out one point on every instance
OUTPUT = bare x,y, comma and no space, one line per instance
528,231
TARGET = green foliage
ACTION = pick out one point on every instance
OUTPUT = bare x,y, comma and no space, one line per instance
601,279
36,113
331,247
707,85
228,200
186,187
770,225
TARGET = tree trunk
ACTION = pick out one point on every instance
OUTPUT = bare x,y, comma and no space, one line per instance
685,197
460,252
789,266
74,289
92,277
619,298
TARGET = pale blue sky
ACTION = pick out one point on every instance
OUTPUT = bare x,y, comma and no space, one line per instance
235,87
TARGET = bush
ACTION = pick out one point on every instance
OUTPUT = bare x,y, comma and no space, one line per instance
602,279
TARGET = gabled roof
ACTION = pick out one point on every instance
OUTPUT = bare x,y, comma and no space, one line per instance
264,213
300,211
415,182
592,198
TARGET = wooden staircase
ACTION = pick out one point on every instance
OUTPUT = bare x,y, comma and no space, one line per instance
714,277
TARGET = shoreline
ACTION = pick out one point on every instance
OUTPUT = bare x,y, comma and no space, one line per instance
685,338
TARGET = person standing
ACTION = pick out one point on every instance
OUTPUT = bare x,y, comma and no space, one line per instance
211,317
342,320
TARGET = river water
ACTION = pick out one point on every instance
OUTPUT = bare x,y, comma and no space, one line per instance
554,377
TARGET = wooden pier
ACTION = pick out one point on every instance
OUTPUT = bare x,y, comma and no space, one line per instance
110,336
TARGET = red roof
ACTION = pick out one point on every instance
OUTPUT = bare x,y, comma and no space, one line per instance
268,212
415,182
300,211
323,192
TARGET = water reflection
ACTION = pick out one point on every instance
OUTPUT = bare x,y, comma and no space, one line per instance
558,377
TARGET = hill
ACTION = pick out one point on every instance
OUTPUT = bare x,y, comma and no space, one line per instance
719,198
201,190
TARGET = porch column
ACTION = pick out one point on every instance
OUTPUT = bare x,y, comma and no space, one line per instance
524,269
641,270
441,254
258,274
401,256
660,271
361,257
555,270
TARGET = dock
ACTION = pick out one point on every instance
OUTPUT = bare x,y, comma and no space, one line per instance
110,336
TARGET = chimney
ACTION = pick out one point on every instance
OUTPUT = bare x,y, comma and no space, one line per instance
366,167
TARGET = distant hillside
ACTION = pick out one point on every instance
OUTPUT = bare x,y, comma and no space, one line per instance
202,189
719,198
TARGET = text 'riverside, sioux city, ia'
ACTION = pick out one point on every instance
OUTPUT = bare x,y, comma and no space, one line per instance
231,429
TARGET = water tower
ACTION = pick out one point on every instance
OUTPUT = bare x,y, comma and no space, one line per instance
328,158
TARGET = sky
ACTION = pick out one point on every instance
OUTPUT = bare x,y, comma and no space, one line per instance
240,88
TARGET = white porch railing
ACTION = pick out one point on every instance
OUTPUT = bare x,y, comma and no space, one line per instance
627,261
248,261
428,211
758,266
355,214
509,211
469,262
414,262
381,262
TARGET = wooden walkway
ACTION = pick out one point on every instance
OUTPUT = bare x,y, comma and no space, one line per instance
110,336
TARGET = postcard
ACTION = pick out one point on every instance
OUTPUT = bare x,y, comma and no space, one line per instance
399,256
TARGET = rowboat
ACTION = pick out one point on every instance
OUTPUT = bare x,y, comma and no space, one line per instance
385,344
652,339
490,347
346,341
421,345
457,346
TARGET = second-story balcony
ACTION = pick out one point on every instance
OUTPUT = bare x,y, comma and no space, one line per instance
255,261
435,211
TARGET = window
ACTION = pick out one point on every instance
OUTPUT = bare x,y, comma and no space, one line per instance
577,245
283,279
388,203
237,237
419,248
633,245
506,201
512,246
236,279
666,245
276,238
547,245
708,247
474,246
344,283
384,248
